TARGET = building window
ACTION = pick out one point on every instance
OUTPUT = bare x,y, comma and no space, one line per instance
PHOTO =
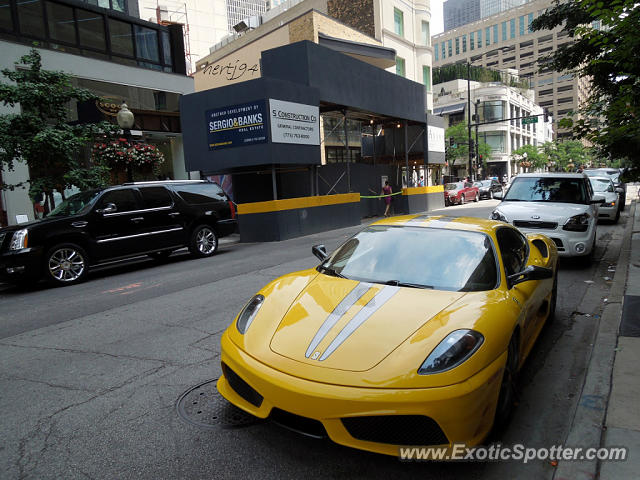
491,111
512,28
426,33
464,43
457,45
121,37
444,51
495,34
400,70
398,21
472,43
31,18
495,140
61,25
450,47
426,77
436,51
504,31
147,43
91,30
529,20
487,36
479,32
521,25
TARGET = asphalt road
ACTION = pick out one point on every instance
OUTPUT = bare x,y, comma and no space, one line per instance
90,374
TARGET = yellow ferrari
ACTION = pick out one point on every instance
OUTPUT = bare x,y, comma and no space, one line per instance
410,333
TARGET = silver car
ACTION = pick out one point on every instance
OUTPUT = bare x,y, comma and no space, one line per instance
610,209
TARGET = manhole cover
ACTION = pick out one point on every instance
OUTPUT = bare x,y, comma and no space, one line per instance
204,407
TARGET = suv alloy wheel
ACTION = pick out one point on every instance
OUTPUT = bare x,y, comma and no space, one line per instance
66,264
204,241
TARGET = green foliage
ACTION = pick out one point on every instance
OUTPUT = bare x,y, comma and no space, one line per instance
461,151
561,155
604,50
534,159
39,135
458,71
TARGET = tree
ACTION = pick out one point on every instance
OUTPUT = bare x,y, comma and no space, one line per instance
530,157
460,152
604,50
566,156
40,135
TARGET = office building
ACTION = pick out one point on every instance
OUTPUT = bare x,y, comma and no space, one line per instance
506,41
460,12
493,101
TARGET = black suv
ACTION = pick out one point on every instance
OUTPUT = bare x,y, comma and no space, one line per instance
96,226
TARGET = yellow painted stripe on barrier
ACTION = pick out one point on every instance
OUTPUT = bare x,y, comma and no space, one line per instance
422,190
293,203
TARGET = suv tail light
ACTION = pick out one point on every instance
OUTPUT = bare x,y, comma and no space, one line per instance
232,207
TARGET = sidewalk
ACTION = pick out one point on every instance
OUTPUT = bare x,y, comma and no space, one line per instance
608,412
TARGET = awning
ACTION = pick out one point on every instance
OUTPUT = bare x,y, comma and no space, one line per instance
450,109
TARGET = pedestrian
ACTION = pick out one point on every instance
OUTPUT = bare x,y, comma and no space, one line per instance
386,191
421,182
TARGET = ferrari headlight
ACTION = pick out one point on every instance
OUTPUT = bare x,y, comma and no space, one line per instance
496,215
19,239
577,223
457,347
249,313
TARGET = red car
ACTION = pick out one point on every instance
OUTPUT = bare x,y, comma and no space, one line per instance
460,192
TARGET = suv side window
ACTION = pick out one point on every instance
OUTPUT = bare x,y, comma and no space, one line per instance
155,197
514,250
124,200
198,193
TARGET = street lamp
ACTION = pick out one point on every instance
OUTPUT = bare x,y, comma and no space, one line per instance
125,122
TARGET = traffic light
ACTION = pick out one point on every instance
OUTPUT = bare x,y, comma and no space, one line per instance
472,145
452,142
546,115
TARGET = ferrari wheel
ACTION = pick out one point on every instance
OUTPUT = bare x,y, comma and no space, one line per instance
507,397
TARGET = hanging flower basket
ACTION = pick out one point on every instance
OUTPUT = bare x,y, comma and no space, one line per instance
121,155
525,163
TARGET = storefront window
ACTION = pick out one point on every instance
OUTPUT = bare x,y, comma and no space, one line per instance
496,140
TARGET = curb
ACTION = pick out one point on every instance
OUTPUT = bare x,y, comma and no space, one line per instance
589,416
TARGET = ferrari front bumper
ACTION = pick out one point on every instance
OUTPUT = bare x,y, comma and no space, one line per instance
463,412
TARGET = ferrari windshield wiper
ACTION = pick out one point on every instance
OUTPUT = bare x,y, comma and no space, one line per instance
332,272
397,283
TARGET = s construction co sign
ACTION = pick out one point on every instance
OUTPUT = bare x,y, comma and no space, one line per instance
294,123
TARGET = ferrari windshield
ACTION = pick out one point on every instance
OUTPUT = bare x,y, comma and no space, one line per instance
442,259
75,203
547,189
453,186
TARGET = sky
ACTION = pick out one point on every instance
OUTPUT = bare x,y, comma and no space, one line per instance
437,25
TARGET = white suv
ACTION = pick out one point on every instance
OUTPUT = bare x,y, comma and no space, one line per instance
559,205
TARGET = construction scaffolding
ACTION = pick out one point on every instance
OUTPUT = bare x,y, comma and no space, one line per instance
165,16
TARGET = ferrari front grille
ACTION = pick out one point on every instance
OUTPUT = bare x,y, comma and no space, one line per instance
306,426
241,387
396,430
535,224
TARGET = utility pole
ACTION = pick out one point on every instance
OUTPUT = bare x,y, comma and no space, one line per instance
469,119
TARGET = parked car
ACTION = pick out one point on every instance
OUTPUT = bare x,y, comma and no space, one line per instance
610,209
614,175
487,188
410,333
460,193
96,226
562,206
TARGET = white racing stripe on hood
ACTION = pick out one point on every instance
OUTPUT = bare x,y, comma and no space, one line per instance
362,316
347,302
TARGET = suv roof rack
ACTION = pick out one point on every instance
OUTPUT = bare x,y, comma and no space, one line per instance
165,181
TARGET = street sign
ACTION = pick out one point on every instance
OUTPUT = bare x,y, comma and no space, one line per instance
528,120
